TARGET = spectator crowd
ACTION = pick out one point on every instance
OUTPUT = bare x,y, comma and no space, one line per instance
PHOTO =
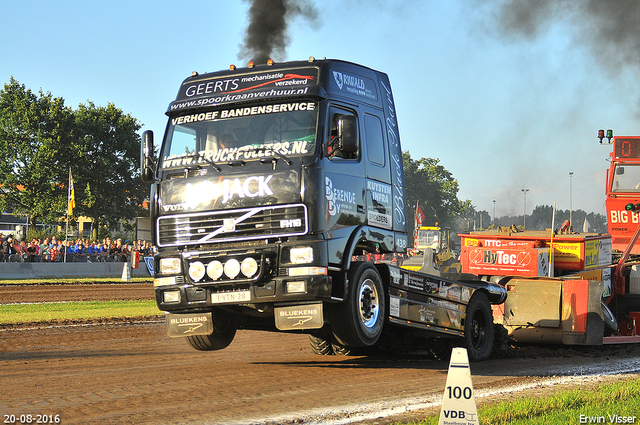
52,250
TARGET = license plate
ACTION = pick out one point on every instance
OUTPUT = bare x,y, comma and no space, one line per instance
230,297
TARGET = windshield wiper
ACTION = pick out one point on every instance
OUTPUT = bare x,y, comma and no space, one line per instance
275,153
210,162
198,156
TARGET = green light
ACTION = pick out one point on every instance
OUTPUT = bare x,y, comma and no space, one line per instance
628,207
609,134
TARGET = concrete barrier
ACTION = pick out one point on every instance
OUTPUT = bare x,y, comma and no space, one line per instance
64,270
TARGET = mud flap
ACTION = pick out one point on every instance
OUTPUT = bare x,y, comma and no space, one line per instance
306,316
183,325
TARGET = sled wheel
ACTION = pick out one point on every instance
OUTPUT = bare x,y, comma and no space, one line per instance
478,328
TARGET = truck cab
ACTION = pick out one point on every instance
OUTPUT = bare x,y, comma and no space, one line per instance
623,192
270,180
438,240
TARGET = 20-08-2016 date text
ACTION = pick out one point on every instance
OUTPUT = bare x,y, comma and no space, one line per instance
31,419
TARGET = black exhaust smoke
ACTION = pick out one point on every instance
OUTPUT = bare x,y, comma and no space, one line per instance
266,36
609,29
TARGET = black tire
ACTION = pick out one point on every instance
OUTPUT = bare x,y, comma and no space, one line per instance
500,341
344,350
224,330
478,328
610,322
321,345
359,321
440,349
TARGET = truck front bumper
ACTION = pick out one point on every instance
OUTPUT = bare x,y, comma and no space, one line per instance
281,290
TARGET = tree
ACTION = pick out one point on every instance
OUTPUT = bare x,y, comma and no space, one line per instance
471,219
542,216
34,147
433,187
107,176
40,139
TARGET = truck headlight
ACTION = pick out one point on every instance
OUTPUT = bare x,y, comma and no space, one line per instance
164,281
249,267
304,271
170,265
296,287
196,271
215,269
232,268
171,296
301,255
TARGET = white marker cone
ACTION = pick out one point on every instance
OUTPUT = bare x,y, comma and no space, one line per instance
126,272
459,401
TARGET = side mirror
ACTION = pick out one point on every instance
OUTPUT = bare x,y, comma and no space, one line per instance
147,164
348,134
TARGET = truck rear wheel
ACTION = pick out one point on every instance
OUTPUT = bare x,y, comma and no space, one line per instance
478,328
321,345
359,321
440,349
328,346
224,330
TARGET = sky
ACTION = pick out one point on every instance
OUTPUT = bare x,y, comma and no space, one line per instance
507,94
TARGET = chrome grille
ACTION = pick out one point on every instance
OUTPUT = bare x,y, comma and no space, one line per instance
232,225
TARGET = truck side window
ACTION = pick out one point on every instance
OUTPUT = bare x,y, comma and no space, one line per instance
373,133
343,141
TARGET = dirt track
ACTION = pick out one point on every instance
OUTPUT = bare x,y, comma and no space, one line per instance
133,373
67,292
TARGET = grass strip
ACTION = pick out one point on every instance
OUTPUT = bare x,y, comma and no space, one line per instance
606,403
81,310
73,280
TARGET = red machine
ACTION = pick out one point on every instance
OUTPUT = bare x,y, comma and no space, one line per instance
570,288
623,190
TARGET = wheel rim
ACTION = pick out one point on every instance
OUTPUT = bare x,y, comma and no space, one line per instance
369,303
478,330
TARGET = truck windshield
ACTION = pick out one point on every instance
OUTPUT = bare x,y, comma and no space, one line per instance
241,134
428,239
626,178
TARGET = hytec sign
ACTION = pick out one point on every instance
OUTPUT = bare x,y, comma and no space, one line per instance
523,261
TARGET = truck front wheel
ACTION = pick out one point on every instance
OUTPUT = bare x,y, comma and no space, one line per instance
478,328
359,321
224,330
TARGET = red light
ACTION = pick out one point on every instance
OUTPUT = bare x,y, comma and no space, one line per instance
250,64
600,134
270,62
232,67
636,207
